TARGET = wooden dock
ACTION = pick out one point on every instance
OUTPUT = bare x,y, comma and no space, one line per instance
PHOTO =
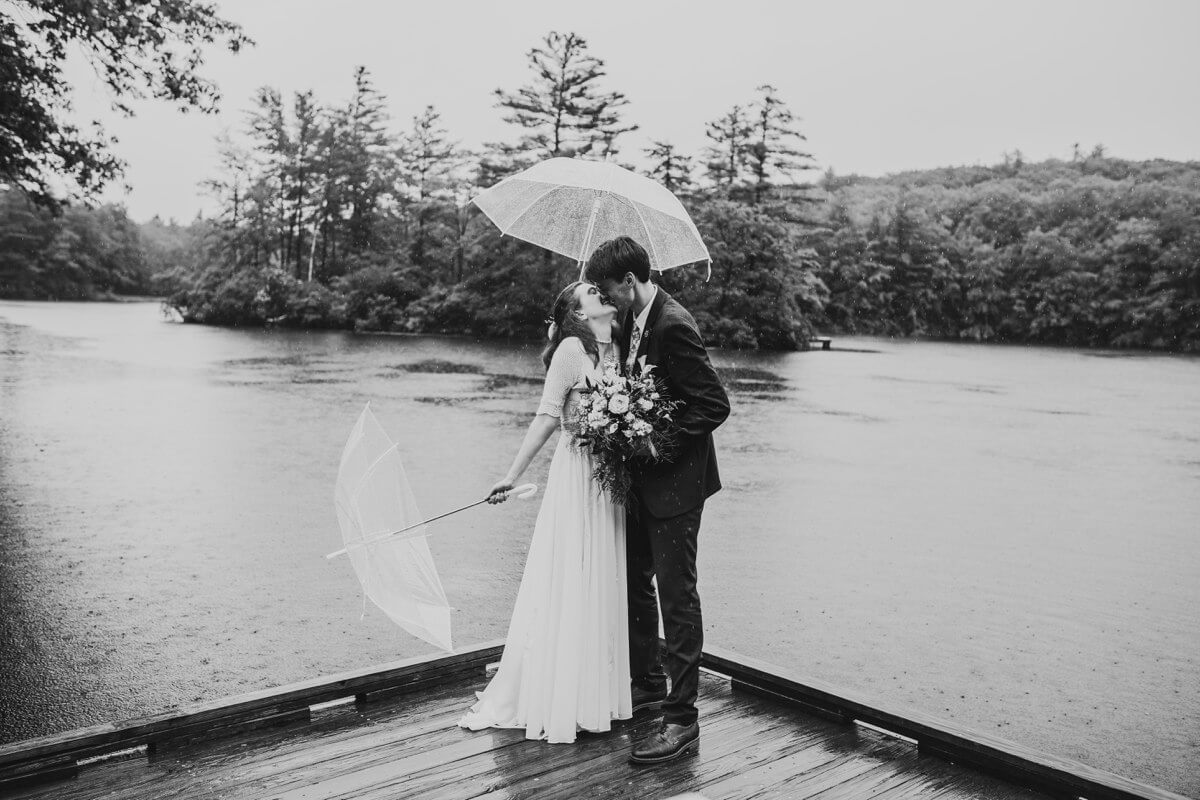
391,733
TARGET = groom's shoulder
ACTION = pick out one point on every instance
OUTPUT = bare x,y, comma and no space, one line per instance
674,313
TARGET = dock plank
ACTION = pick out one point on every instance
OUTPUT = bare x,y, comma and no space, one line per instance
799,774
388,748
265,757
936,737
605,766
494,771
756,733
756,742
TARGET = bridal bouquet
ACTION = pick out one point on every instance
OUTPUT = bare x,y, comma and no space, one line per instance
620,420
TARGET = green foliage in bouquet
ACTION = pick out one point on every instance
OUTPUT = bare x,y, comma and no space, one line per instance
620,421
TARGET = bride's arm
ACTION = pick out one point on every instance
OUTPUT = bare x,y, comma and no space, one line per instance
540,429
563,373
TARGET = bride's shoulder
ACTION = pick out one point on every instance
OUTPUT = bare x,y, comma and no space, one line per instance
568,352
573,344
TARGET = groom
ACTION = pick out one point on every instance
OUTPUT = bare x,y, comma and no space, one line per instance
661,531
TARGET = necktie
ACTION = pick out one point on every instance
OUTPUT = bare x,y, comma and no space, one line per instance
634,342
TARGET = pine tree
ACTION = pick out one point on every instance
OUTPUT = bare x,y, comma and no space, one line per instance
671,169
428,163
367,161
272,149
772,155
562,110
306,139
427,156
229,188
730,136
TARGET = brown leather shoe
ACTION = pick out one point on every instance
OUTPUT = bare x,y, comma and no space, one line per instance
644,699
668,742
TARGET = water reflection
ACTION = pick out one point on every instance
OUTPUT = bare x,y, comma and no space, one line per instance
495,383
437,366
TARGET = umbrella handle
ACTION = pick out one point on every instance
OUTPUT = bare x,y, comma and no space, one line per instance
525,490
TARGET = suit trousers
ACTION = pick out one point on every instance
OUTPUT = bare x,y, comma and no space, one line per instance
665,549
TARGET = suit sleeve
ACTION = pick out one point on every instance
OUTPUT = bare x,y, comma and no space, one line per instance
705,404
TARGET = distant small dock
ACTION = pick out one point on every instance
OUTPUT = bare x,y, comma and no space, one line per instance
825,342
390,733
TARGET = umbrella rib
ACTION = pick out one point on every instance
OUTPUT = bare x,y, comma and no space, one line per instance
367,472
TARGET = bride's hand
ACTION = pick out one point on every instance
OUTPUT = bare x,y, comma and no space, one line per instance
499,492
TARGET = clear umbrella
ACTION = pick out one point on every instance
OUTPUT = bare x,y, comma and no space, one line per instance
384,533
572,205
373,498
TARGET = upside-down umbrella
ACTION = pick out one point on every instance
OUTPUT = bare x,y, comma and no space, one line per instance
572,205
373,499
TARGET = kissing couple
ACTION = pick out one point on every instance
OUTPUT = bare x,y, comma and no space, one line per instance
582,646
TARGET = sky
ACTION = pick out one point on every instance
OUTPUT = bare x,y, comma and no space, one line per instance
879,86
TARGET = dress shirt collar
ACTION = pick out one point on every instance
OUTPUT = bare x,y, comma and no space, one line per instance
640,322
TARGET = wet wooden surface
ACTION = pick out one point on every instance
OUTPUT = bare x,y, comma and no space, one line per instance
409,746
1022,765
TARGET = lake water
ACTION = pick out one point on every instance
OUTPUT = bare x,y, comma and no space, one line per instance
1007,538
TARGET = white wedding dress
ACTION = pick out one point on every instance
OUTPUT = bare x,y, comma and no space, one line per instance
565,666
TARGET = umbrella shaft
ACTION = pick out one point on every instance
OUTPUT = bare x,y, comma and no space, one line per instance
525,490
390,534
587,238
431,519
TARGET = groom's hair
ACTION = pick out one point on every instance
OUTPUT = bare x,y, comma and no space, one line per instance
612,259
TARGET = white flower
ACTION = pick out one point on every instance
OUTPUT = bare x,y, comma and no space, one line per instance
612,428
629,417
619,404
644,404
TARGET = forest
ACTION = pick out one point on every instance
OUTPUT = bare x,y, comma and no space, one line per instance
330,217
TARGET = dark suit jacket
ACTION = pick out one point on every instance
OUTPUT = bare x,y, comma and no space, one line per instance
672,343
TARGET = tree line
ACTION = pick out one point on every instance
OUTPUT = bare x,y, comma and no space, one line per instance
329,217
1091,251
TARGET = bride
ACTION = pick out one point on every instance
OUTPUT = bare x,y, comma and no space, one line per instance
565,666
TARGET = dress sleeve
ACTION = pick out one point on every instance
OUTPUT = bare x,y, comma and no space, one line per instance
565,368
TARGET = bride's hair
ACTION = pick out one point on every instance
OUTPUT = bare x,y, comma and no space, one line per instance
565,322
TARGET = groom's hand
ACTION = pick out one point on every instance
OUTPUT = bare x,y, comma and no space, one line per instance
499,492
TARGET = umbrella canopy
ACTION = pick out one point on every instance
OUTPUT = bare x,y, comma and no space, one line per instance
571,206
372,497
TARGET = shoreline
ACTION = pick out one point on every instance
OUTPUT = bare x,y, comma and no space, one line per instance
1101,351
